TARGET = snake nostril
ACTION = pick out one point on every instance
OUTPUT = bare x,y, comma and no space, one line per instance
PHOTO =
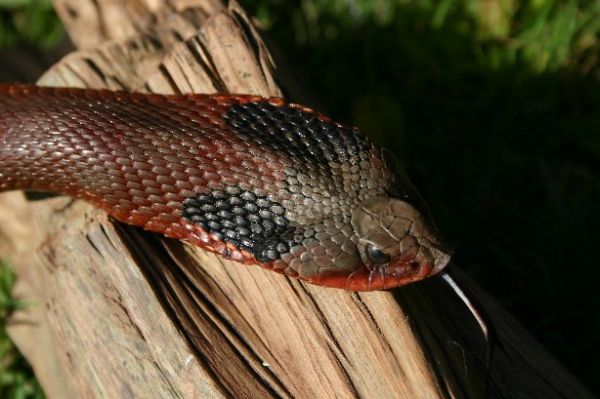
414,265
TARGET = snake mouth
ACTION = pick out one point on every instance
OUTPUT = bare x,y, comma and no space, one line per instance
392,275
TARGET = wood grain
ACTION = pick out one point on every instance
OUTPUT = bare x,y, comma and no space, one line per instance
117,312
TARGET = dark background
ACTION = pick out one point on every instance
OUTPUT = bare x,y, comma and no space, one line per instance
492,107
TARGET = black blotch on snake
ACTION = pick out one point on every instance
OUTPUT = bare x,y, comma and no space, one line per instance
248,221
294,132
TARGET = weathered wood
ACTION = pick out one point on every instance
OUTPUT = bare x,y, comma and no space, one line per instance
117,312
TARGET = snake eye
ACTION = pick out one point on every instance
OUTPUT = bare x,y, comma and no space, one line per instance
376,255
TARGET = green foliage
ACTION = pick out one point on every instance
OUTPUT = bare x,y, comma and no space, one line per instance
29,21
492,107
542,34
16,378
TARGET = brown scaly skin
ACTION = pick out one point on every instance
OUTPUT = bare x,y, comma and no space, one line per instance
254,179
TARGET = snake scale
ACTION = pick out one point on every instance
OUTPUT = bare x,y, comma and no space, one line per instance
256,180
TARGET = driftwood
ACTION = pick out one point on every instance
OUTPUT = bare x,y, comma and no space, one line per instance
117,312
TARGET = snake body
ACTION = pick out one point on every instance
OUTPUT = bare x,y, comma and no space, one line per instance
256,180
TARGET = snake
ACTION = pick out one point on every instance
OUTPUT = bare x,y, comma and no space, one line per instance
257,180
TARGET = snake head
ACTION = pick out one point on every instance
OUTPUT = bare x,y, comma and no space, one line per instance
396,244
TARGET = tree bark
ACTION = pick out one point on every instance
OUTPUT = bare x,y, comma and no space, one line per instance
118,312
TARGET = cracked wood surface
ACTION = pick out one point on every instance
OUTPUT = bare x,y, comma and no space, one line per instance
117,312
